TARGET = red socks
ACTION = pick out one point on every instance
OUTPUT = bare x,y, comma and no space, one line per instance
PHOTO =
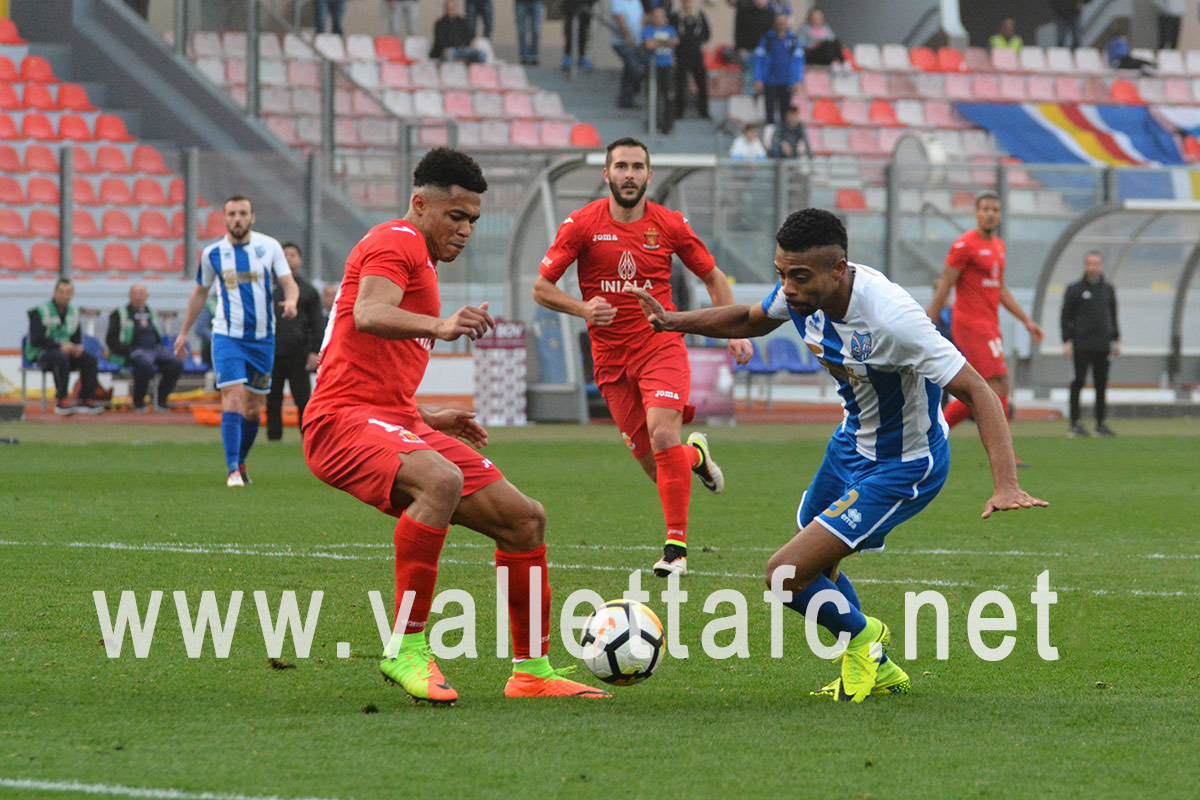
674,471
520,578
418,548
956,411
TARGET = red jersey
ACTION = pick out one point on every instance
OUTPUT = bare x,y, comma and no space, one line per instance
615,257
362,369
980,263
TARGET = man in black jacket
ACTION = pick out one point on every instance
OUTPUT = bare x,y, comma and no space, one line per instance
297,344
1091,336
55,343
135,340
692,27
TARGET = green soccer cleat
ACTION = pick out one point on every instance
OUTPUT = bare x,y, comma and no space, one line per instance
891,679
414,671
860,663
707,470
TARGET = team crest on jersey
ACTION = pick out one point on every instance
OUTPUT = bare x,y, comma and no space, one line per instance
260,251
651,242
860,346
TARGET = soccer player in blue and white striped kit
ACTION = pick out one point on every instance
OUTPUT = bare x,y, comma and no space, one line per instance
889,457
243,264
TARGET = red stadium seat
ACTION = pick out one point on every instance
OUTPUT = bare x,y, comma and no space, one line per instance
1124,91
517,105
36,68
177,225
12,225
8,128
923,59
115,191
11,192
154,258
120,258
554,133
12,258
73,97
949,59
84,256
985,88
38,126
85,194
37,95
882,113
585,135
149,192
9,99
111,128
850,200
458,105
44,223
390,48
153,224
9,33
74,128
10,160
864,142
111,159
82,160
1067,90
84,224
42,191
175,192
148,160
213,225
8,70
524,133
116,223
43,257
39,158
177,257
1191,149
826,112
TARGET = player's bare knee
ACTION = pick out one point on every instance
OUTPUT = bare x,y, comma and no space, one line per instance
661,439
791,581
529,532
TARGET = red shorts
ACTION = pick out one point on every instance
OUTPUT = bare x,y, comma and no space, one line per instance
659,375
984,350
359,448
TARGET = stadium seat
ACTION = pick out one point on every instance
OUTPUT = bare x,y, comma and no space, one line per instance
12,225
453,75
400,102
10,160
37,95
152,224
365,73
433,136
272,72
1004,60
548,105
950,59
177,257
1176,91
517,105
457,104
757,365
867,57
116,223
111,159
1170,62
38,126
817,83
901,84
84,257
493,133
43,257
213,69
9,99
826,112
1123,91
119,258
43,223
958,85
12,258
554,133
976,59
1040,89
214,225
854,112
786,354
850,200
864,142
175,192
895,57
416,48
207,43
742,109
73,97
39,158
846,84
115,191
9,33
524,133
390,48
331,46
149,192
153,257
42,191
1191,149
882,113
83,224
1012,88
36,68
1067,89
360,47
74,128
1152,90
931,86
1089,60
8,70
428,103
585,135
483,76
923,58
275,100
424,75
111,128
911,113
395,75
487,104
1060,60
85,194
512,76
985,88
304,73
1094,90
1032,59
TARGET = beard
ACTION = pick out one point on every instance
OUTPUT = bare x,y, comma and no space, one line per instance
621,201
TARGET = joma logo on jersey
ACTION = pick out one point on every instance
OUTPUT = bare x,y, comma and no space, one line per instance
665,393
604,237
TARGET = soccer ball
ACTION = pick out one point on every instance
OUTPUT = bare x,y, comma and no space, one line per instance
622,642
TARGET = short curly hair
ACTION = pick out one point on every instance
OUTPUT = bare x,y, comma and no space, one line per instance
443,167
812,227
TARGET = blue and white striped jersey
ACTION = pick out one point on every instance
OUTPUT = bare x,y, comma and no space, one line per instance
890,364
246,273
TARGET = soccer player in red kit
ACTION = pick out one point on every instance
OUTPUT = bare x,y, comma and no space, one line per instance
624,242
365,434
975,270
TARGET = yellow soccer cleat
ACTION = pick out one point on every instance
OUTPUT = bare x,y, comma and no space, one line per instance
413,670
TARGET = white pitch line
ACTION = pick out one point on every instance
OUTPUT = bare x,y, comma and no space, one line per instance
116,790
201,549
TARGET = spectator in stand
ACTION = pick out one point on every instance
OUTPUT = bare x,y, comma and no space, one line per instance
1006,38
778,67
1170,13
692,26
748,147
335,10
789,135
1090,337
452,37
1118,52
479,10
1068,21
752,19
627,42
820,43
401,16
659,39
529,29
135,340
55,344
577,19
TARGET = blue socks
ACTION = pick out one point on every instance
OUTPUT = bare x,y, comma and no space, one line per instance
231,438
828,617
249,431
845,587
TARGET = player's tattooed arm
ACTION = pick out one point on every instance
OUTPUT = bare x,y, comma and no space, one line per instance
725,322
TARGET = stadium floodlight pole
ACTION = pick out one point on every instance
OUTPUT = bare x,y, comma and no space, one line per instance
316,189
66,216
191,199
327,112
252,85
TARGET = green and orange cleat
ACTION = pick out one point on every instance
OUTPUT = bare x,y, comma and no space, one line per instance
534,677
414,670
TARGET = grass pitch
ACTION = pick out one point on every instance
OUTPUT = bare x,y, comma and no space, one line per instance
144,508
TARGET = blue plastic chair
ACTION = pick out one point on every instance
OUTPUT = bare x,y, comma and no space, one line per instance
757,365
787,355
